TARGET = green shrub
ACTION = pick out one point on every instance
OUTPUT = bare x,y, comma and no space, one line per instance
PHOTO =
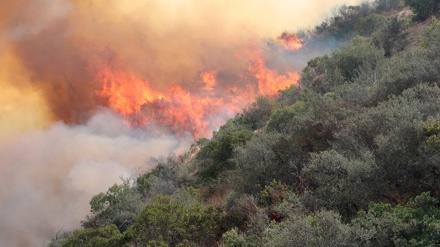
423,9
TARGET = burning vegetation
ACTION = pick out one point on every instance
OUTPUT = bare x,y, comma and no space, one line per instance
290,42
92,90
193,110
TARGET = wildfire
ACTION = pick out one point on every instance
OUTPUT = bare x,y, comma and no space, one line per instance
125,92
197,111
209,79
270,81
290,42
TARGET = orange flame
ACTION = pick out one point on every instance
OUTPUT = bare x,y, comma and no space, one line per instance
209,79
289,41
197,111
269,81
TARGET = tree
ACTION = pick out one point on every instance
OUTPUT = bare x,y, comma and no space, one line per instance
415,224
311,123
167,220
367,25
431,35
323,74
266,157
163,179
386,5
322,228
119,206
391,37
391,131
431,132
215,156
257,114
423,9
340,26
232,238
108,236
338,183
350,58
280,119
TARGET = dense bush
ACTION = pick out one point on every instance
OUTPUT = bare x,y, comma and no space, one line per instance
385,5
423,9
215,156
120,206
415,224
349,158
325,73
175,222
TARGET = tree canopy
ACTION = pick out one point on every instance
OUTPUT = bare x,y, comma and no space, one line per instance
351,157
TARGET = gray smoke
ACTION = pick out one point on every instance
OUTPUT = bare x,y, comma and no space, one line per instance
49,176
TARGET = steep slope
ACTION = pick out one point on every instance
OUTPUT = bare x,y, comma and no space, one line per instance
348,158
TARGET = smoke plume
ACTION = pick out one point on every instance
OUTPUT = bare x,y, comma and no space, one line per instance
48,176
172,71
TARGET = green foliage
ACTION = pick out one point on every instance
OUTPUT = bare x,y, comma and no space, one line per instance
60,239
323,74
156,243
342,24
350,58
163,179
423,9
290,95
416,224
264,158
340,183
432,134
240,207
314,75
274,193
215,156
415,104
367,25
430,39
280,119
413,67
257,114
390,131
167,220
321,229
108,236
386,5
309,124
120,205
232,238
391,37
299,170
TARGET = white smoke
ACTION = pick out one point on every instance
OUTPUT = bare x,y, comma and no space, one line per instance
49,176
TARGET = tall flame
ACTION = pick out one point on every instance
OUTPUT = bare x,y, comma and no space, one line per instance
125,92
165,66
270,81
198,110
209,79
289,41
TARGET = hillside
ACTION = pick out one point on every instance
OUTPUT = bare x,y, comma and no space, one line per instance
350,157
